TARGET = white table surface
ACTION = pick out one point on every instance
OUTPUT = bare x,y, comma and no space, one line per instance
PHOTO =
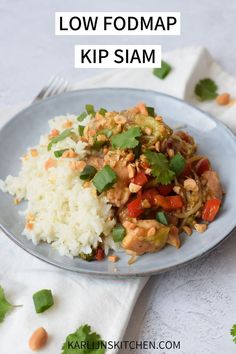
197,303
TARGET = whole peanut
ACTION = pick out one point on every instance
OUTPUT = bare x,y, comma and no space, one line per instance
223,99
38,339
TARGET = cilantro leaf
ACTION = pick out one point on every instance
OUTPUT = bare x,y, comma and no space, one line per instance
160,167
83,341
128,139
5,306
177,164
206,89
233,333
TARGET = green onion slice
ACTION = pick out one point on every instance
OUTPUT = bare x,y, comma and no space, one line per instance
118,233
151,111
88,172
59,153
90,109
82,116
161,217
43,299
163,71
102,111
65,134
104,179
81,130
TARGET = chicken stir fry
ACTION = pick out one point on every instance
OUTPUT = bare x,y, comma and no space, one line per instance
157,184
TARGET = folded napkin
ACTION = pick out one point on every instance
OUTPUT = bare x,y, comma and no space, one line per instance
105,304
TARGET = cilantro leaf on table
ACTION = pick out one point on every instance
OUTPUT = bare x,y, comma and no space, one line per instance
128,139
206,89
160,167
83,341
233,333
5,306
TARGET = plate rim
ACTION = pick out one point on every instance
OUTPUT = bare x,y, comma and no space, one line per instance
109,273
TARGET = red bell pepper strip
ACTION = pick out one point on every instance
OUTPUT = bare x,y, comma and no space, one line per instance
175,201
202,166
100,254
210,209
169,203
165,189
150,194
135,208
140,179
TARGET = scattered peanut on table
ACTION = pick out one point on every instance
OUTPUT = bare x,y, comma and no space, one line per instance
38,339
223,99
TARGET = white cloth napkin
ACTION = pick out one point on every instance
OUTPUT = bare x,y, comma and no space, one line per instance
105,304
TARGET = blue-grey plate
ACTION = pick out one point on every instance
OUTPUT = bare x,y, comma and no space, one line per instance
213,138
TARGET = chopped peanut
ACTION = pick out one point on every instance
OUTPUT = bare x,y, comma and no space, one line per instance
159,118
50,163
223,99
120,119
158,146
148,131
131,171
151,232
54,133
129,157
77,165
34,152
148,171
113,258
170,152
91,132
146,204
142,109
190,185
68,124
129,224
87,184
134,188
200,227
98,116
177,189
69,154
101,137
187,230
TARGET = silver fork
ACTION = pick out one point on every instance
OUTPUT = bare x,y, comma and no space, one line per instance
55,86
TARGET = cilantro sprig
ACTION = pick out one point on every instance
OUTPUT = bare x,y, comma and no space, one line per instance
206,89
163,169
5,306
74,343
160,167
233,333
128,139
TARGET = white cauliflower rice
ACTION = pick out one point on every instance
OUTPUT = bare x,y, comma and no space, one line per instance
60,210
